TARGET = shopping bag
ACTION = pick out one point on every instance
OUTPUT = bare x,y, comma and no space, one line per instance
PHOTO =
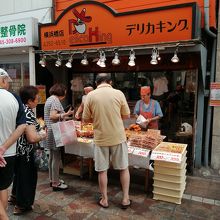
64,132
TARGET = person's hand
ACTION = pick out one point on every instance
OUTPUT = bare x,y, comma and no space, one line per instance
43,134
2,160
148,121
70,112
77,115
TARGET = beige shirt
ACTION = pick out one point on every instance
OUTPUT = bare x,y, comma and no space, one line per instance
105,106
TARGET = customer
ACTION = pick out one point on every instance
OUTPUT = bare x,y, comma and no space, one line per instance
106,107
87,88
54,112
25,179
148,108
12,121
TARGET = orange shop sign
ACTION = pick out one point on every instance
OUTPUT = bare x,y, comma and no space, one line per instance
90,24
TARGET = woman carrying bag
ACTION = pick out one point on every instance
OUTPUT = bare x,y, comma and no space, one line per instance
54,112
25,179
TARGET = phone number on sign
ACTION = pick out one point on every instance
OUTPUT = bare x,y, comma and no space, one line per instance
13,40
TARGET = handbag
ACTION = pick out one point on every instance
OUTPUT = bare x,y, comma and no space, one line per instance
41,159
64,132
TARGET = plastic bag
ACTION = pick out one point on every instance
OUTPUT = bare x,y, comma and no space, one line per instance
142,121
64,133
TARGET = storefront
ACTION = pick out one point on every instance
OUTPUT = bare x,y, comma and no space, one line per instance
160,47
17,41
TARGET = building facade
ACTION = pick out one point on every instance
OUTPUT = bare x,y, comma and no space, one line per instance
141,32
215,155
19,37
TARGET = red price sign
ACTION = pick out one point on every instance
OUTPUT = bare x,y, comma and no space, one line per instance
142,153
160,157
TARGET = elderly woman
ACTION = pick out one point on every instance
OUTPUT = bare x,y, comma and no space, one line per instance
25,180
54,112
148,108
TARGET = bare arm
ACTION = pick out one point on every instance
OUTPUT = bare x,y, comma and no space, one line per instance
11,140
153,119
55,115
80,109
125,117
32,135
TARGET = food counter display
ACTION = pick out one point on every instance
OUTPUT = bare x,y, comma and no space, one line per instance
140,144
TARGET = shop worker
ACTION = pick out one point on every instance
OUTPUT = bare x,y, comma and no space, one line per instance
13,123
87,88
148,108
106,108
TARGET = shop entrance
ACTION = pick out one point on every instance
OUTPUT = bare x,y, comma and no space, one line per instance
174,90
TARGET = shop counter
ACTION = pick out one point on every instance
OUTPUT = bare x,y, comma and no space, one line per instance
138,158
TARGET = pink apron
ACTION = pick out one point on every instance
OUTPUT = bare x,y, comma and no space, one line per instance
152,124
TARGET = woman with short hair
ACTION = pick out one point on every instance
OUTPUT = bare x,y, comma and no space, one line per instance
54,112
25,179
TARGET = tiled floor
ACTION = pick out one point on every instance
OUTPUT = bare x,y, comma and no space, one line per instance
79,201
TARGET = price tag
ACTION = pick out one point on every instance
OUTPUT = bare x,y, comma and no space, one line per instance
130,150
166,156
141,152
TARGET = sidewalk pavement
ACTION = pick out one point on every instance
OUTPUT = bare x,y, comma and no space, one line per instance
201,200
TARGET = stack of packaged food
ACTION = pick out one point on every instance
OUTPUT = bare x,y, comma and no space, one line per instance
169,171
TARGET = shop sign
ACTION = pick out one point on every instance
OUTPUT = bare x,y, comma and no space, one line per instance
215,94
42,94
90,24
19,33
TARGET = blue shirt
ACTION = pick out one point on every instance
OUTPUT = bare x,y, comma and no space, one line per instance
156,111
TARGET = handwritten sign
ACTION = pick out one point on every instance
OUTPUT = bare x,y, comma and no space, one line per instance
170,152
141,152
130,149
165,156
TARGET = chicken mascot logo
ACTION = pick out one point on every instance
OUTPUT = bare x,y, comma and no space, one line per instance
78,25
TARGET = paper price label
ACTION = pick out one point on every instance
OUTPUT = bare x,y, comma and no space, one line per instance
140,152
130,150
164,156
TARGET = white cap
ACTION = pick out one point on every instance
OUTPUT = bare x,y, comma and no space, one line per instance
3,73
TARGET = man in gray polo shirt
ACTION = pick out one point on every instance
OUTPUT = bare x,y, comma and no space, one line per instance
13,123
106,107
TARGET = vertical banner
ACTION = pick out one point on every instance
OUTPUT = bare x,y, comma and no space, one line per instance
42,94
214,94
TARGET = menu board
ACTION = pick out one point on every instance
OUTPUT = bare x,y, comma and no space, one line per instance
170,152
